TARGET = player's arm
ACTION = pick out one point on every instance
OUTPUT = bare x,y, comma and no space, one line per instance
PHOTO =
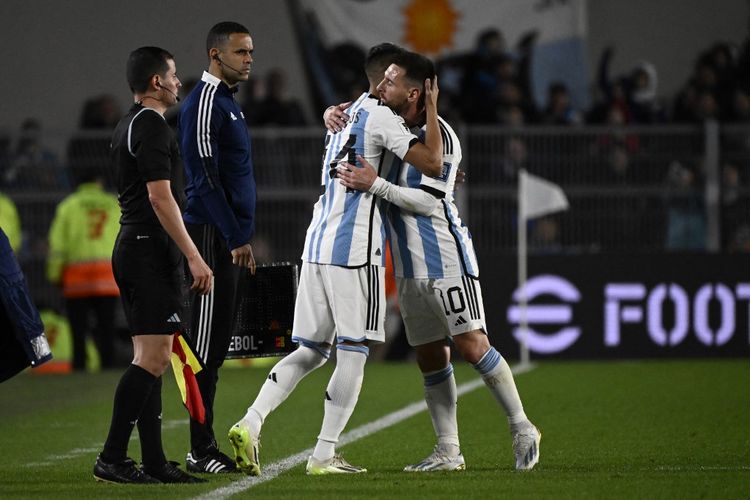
366,179
428,157
166,210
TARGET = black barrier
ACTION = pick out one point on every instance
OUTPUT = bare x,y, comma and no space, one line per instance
622,306
265,311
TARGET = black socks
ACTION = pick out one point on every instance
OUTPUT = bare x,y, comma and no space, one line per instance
131,397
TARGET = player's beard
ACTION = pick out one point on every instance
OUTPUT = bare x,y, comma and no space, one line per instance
398,107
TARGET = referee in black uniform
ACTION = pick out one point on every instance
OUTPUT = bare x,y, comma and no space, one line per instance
147,265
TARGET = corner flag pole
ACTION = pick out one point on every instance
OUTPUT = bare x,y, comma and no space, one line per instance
536,197
522,270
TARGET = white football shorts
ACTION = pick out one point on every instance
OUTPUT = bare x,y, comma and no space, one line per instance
435,309
334,301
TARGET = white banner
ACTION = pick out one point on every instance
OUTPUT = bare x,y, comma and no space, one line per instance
436,27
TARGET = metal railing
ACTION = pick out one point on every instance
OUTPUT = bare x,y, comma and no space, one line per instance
631,189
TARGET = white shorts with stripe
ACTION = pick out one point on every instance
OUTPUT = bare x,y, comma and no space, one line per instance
334,301
435,309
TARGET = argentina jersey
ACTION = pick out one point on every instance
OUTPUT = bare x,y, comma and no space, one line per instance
347,227
438,245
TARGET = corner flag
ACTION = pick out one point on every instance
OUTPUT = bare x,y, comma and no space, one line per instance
536,197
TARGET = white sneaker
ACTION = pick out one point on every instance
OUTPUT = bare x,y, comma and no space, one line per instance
334,465
526,447
245,446
438,460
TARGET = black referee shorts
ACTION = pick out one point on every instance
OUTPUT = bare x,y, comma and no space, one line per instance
148,269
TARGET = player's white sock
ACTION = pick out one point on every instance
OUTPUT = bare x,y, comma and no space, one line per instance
441,398
281,381
342,394
499,380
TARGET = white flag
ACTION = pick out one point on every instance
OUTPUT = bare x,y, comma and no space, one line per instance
537,196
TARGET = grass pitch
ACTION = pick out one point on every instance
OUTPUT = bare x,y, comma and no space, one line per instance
647,429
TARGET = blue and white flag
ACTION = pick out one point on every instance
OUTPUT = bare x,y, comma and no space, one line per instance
440,27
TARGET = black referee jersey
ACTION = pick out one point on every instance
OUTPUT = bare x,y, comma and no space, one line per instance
144,149
146,262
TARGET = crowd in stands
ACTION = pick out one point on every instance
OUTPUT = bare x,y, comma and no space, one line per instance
492,85
489,85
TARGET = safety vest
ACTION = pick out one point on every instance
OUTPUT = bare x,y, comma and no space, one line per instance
81,239
10,222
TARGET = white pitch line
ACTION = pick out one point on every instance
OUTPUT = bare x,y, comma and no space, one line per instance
77,452
694,468
271,471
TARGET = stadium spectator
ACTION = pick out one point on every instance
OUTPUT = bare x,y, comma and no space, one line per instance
485,69
515,156
100,112
740,241
173,114
634,94
613,149
219,216
697,101
544,238
81,239
735,209
511,116
560,110
31,164
686,222
252,92
10,222
643,97
277,108
721,58
740,110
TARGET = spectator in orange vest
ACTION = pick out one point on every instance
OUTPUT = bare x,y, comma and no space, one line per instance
81,240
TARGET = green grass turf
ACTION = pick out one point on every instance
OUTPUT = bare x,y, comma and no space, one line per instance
651,429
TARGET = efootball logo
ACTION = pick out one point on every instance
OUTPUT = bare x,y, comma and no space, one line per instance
555,313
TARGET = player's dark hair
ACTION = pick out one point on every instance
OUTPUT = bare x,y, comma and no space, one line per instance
143,63
219,34
417,68
379,58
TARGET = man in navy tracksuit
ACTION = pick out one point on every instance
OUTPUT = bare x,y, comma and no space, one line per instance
219,216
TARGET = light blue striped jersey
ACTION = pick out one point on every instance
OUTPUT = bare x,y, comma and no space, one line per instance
438,245
347,227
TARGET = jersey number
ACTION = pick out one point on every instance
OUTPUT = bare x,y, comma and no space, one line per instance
347,150
455,299
97,219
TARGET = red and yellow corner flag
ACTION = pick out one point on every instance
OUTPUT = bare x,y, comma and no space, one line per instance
185,365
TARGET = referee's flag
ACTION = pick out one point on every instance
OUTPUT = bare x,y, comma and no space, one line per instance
185,365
